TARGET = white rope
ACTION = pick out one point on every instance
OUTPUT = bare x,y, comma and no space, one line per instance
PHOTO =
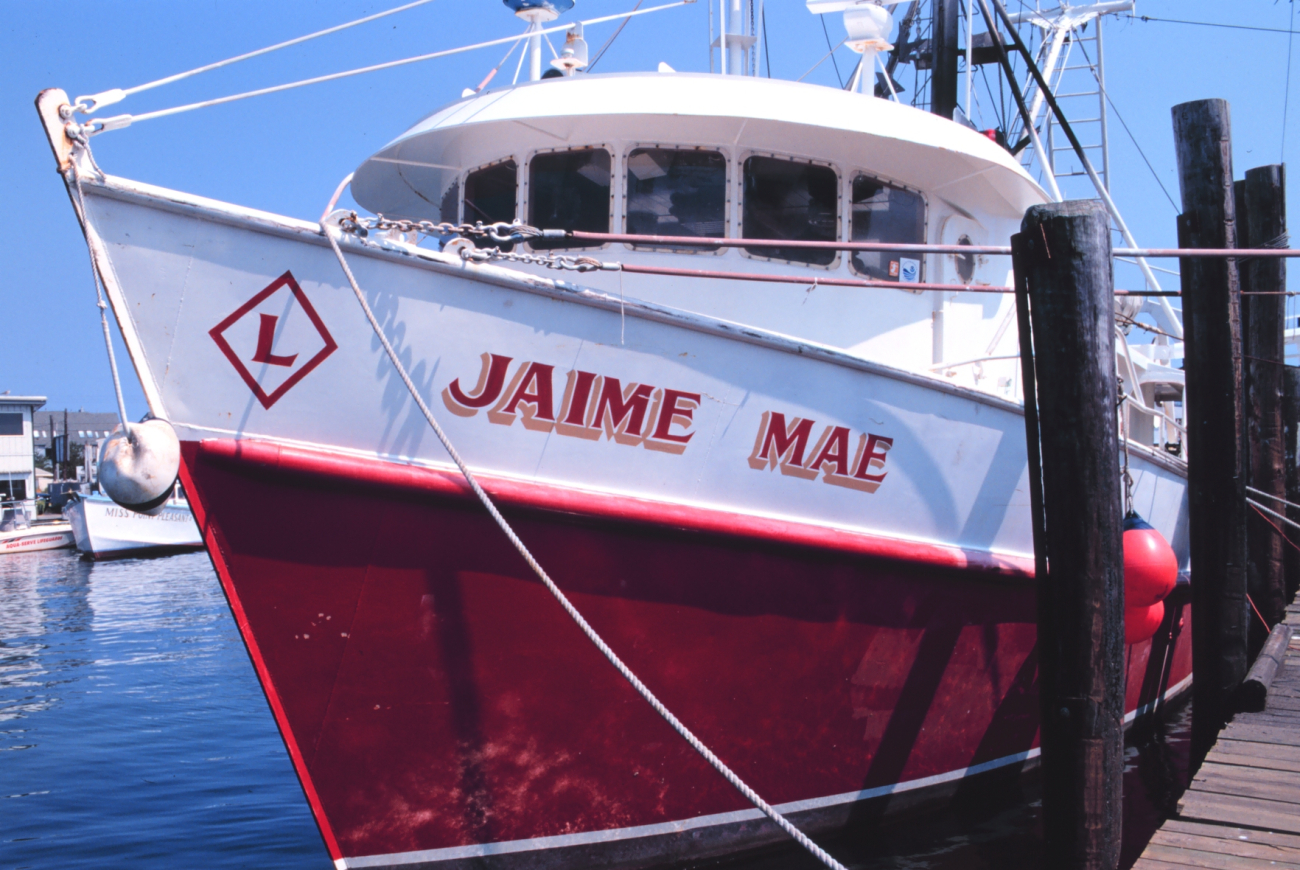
86,229
118,122
1269,495
1271,512
89,104
590,632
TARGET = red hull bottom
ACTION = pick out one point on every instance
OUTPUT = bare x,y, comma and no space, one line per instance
440,708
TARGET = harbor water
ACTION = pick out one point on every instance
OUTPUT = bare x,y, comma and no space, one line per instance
133,733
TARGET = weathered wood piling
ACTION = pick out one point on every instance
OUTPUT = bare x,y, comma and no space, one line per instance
1213,412
1290,424
1261,218
1063,267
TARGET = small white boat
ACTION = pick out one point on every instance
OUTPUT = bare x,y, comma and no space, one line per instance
104,530
18,534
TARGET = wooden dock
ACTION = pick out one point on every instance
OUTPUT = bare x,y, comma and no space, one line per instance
1242,810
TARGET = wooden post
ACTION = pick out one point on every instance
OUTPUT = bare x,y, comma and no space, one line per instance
1290,422
1263,308
1062,255
1213,408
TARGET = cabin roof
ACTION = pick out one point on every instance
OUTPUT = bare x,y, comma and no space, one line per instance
740,113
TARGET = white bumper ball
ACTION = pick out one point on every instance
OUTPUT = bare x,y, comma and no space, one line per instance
138,465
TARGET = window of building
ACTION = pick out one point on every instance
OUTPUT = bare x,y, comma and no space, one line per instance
883,213
11,424
13,489
569,190
790,199
677,192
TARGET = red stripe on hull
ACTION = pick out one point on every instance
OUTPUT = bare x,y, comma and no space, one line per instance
433,695
391,477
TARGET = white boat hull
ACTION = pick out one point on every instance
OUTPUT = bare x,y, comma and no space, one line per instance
46,536
104,529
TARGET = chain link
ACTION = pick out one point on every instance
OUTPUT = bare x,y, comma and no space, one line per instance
566,262
501,232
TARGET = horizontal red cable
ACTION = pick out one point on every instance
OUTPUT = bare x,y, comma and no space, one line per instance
903,248
844,282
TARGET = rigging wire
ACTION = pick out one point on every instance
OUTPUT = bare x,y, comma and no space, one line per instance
767,52
109,97
610,41
820,62
1286,99
117,122
827,34
1212,24
496,69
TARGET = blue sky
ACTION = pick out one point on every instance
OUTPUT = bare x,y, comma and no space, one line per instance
286,152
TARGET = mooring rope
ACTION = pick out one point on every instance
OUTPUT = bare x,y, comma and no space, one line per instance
642,689
1269,495
84,219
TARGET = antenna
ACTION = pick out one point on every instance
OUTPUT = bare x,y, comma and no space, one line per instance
537,13
868,24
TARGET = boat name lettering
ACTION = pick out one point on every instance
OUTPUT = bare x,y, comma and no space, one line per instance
784,444
632,414
165,516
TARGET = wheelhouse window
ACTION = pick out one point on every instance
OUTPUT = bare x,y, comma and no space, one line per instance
677,192
449,209
569,190
883,213
789,199
490,196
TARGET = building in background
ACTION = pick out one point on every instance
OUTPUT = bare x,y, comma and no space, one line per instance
84,427
17,465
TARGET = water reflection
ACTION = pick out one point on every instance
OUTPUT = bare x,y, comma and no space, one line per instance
147,737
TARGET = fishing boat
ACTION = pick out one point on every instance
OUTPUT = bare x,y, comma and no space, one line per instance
106,530
783,477
20,534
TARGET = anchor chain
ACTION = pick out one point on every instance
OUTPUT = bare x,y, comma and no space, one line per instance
501,232
567,262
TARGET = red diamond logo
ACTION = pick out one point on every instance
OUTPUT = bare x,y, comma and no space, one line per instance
274,339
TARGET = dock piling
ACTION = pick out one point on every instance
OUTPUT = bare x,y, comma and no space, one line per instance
1213,410
1063,257
1262,223
1290,423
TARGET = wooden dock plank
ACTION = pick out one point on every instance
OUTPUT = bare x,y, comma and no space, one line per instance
1231,772
1242,809
1145,863
1227,832
1247,787
1219,860
1234,846
1251,812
